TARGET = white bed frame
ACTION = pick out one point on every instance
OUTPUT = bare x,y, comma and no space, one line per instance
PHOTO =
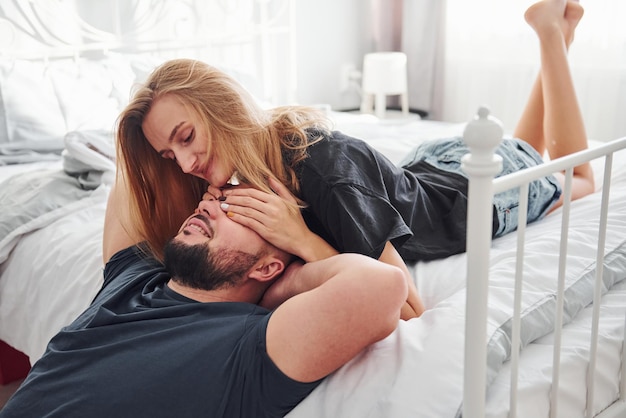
255,36
482,136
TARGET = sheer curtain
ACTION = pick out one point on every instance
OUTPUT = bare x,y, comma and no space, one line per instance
491,57
413,27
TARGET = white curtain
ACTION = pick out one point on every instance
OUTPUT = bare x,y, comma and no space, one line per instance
491,57
413,27
422,37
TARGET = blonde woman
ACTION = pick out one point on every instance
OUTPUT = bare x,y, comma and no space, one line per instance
314,192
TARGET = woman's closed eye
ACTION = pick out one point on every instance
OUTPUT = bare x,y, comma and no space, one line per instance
170,155
189,137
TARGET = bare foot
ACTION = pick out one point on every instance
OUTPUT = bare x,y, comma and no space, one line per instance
546,16
573,13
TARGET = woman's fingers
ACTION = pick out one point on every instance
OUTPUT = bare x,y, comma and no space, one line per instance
275,217
251,203
212,193
281,190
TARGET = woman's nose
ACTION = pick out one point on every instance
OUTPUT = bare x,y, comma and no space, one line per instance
187,162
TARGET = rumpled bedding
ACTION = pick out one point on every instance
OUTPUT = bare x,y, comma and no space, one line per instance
33,200
41,101
30,151
89,156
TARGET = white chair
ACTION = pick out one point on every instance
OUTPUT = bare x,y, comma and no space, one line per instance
384,74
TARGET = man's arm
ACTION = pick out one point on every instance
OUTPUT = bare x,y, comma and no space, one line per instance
348,302
276,221
282,289
116,237
414,306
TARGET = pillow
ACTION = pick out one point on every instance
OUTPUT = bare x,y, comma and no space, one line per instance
42,101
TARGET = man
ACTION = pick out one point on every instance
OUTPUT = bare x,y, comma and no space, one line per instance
190,340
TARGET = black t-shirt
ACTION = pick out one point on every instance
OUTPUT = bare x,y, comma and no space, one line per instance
143,350
358,200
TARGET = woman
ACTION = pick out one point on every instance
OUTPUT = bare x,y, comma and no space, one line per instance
191,127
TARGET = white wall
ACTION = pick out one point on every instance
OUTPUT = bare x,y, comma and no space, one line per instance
331,34
335,35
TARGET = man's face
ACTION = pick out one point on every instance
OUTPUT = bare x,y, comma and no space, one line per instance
211,250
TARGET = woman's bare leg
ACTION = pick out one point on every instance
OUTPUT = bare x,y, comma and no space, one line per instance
530,126
563,130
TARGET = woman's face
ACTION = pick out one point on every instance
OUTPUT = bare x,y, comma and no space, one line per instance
175,133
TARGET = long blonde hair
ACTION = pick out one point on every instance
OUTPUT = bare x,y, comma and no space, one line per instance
258,143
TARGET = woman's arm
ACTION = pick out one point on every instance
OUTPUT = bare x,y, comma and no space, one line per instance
116,236
277,219
282,225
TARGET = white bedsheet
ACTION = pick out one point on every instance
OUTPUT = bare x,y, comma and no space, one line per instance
418,370
53,264
53,273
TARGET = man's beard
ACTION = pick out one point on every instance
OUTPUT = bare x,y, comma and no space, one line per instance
197,267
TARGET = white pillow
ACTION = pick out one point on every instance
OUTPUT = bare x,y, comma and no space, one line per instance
41,101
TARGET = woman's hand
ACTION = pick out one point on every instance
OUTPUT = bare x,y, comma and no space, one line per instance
276,218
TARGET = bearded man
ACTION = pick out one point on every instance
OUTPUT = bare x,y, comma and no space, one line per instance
229,326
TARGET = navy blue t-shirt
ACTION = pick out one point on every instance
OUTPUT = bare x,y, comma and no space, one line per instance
143,350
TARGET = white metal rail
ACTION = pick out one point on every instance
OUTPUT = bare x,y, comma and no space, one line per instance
482,136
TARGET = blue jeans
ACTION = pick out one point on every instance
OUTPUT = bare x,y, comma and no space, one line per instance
516,154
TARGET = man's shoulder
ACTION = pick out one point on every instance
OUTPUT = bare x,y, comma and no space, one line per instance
132,260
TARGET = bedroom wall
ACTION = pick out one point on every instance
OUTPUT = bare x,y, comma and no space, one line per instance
331,36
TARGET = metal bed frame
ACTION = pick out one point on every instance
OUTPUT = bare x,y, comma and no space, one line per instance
482,136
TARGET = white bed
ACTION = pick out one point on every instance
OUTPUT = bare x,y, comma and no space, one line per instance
419,370
50,268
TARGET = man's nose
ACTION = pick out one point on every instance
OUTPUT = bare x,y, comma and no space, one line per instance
208,207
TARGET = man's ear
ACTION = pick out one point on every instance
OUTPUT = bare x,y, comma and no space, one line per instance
267,269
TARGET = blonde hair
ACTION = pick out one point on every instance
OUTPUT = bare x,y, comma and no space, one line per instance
257,143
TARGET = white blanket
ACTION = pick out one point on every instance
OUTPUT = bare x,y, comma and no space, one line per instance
35,199
418,370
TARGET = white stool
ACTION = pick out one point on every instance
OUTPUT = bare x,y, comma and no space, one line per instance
384,74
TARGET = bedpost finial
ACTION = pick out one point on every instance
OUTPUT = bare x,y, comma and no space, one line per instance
484,132
483,112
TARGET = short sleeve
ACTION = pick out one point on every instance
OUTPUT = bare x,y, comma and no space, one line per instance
129,262
267,389
351,192
360,221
